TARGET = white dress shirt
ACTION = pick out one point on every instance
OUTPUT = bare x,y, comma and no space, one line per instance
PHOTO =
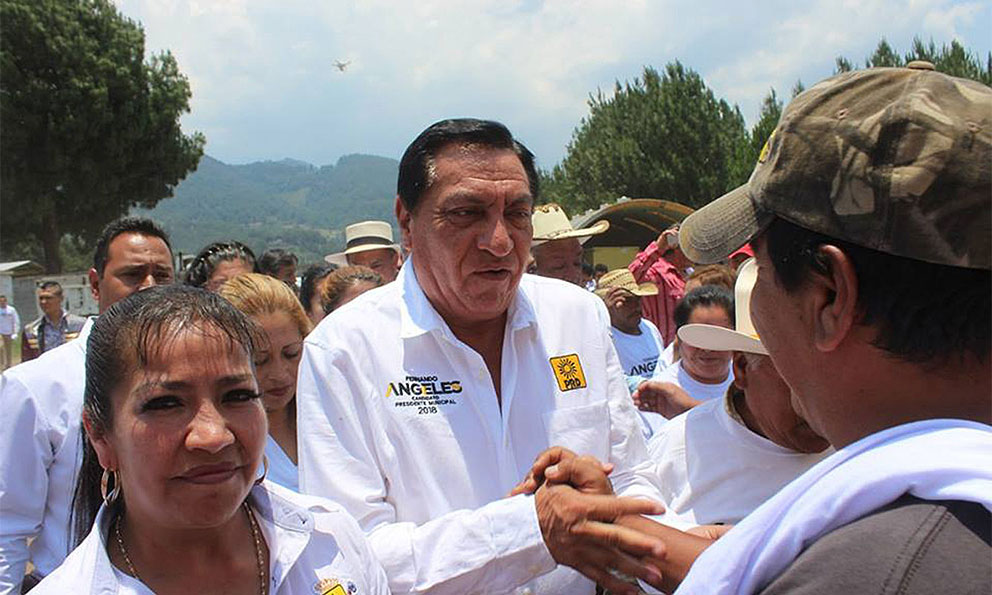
40,440
713,469
400,423
10,322
309,540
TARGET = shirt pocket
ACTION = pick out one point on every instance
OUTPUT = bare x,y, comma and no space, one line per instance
585,430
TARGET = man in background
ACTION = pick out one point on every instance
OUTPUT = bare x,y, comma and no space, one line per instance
54,327
370,244
662,263
281,264
10,322
557,247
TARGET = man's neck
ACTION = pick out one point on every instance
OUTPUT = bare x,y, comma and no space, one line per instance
885,392
486,339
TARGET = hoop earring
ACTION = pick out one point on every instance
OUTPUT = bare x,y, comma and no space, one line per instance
265,469
111,496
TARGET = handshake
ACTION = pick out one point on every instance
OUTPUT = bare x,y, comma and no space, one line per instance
605,537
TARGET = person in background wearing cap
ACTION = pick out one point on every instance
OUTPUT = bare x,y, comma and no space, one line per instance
370,244
636,339
663,264
874,184
557,247
719,461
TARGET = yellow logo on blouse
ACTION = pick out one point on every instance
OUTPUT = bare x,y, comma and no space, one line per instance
568,372
330,586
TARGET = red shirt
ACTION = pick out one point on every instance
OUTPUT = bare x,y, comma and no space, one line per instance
659,309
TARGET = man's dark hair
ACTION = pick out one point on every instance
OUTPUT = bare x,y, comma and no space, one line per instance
922,312
707,295
601,268
308,282
587,269
139,225
51,285
274,259
417,165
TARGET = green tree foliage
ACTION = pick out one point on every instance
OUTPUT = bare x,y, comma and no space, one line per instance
952,59
661,135
771,111
88,127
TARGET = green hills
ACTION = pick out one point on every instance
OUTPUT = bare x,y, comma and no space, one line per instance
288,204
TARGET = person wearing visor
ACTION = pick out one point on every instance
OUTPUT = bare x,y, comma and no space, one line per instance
720,460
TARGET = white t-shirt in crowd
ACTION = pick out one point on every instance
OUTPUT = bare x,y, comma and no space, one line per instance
639,353
713,469
399,422
310,541
677,375
281,471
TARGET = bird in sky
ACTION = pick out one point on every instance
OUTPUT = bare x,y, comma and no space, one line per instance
341,65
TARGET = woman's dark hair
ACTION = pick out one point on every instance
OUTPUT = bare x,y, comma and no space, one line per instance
123,340
343,278
203,264
308,283
274,259
922,312
707,295
417,165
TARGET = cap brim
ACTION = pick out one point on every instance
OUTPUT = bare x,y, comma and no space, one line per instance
646,289
713,232
341,258
718,338
582,234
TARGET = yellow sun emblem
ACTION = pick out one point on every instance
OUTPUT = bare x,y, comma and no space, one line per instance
568,372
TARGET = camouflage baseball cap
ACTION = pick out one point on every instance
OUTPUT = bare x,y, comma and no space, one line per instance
898,160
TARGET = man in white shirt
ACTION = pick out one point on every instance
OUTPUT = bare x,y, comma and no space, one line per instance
422,403
43,399
720,460
638,342
9,323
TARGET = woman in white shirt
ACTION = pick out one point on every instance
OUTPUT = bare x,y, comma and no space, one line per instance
703,374
168,489
270,303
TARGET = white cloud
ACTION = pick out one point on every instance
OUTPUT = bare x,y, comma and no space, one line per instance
265,87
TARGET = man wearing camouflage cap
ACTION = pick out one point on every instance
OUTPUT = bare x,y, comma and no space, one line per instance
869,212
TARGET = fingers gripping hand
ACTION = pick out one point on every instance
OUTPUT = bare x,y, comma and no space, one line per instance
579,532
551,457
586,474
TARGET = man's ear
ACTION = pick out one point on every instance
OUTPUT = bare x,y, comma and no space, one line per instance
104,450
94,279
740,370
835,298
404,217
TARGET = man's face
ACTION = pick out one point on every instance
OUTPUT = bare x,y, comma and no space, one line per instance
3,302
134,262
769,400
50,302
384,261
560,259
625,310
470,232
778,318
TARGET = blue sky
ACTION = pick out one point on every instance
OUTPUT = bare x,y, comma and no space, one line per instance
265,86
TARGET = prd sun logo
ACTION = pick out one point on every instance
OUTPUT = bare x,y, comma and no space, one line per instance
568,372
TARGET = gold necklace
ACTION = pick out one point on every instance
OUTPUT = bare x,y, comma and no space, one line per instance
255,534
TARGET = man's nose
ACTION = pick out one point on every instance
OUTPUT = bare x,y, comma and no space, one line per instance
497,239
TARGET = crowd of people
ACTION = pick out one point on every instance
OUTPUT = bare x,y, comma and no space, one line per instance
790,391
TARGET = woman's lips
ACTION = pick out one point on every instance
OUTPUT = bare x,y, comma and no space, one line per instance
210,474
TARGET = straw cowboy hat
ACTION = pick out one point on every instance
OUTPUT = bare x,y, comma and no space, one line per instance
717,338
551,223
624,279
362,237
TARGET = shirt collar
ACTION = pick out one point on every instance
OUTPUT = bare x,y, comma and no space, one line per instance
418,315
55,323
